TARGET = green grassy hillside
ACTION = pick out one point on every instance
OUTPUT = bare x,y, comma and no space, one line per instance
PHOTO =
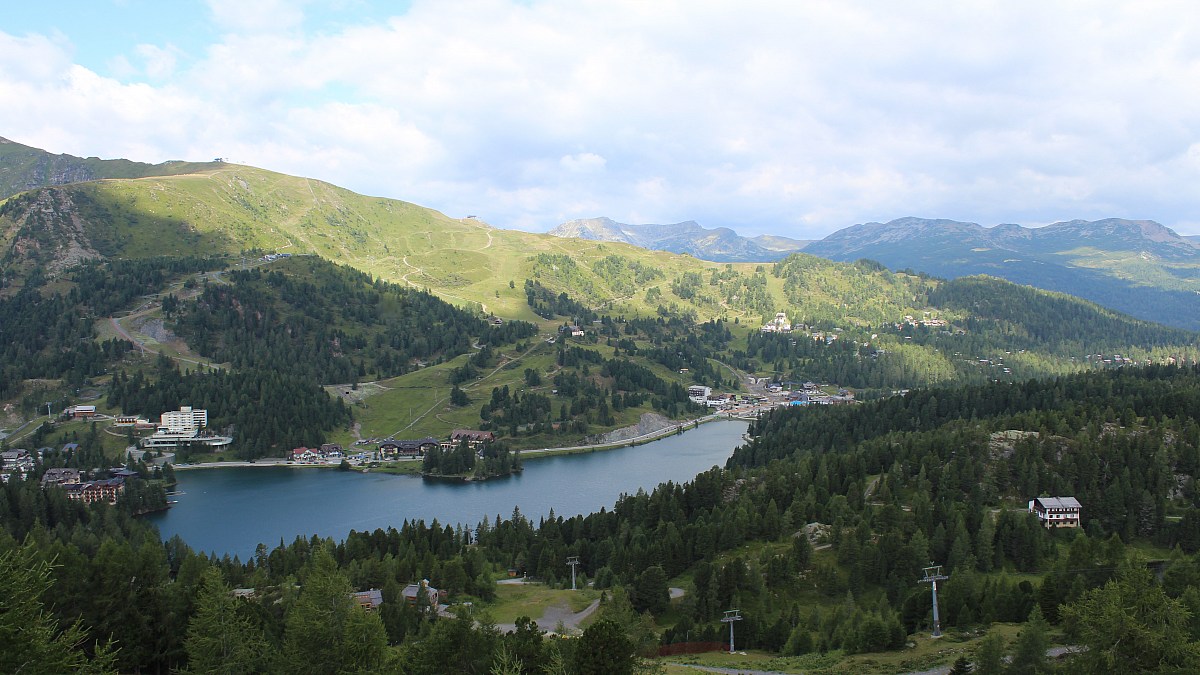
24,168
857,325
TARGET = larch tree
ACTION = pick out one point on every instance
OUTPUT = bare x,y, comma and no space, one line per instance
220,638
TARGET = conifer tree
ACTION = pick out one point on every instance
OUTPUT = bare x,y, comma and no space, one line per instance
220,639
326,631
30,640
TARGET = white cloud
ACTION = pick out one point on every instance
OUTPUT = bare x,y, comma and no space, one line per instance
257,16
583,162
159,62
797,118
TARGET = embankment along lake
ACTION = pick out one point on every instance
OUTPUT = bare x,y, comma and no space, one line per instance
232,510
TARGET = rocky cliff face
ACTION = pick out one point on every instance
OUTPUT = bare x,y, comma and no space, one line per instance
45,230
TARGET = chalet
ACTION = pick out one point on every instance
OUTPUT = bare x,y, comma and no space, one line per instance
1056,511
403,448
305,455
426,594
331,450
96,491
80,412
473,438
60,476
369,600
779,324
16,460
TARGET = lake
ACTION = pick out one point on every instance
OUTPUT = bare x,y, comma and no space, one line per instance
233,510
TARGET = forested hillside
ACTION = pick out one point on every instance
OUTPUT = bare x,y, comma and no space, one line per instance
328,323
817,532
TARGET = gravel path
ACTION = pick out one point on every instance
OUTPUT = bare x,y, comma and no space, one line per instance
556,614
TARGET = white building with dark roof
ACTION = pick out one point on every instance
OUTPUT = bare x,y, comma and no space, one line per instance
1057,511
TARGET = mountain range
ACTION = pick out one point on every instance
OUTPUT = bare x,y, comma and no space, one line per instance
717,245
1138,267
137,210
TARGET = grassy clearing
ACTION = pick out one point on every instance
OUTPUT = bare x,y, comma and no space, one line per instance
407,468
532,600
924,654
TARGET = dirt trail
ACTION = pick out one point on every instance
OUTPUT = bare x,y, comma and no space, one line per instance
556,614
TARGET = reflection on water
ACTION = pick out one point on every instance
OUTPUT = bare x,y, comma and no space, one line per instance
233,510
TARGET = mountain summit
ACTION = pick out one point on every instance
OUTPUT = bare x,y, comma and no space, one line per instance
27,168
717,245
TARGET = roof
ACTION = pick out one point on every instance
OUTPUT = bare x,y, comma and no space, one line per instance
410,445
471,435
412,591
1059,503
370,598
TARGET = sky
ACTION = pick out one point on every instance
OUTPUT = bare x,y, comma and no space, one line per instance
795,117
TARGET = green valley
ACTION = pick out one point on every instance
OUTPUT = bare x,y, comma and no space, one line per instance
299,314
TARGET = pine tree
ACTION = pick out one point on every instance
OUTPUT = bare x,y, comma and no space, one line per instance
30,640
1029,656
326,632
604,649
221,639
989,656
961,667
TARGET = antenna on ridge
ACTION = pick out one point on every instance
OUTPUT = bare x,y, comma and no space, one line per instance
933,574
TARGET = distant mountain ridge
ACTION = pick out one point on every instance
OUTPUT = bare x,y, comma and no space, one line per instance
715,245
25,168
1139,267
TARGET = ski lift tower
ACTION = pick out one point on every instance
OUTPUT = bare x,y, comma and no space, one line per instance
933,574
573,561
731,615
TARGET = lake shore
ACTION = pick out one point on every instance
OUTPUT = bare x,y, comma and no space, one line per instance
681,427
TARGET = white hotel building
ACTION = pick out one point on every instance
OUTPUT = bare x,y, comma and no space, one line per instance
182,427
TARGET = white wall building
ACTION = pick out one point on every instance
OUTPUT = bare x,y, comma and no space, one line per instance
184,419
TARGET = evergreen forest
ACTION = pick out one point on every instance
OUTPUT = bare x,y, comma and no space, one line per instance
817,530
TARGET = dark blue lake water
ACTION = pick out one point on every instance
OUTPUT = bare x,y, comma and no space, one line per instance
233,510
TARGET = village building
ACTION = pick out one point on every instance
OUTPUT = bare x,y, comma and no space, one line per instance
305,455
421,594
80,412
96,491
132,421
60,476
391,449
779,324
16,460
369,600
473,438
1056,511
